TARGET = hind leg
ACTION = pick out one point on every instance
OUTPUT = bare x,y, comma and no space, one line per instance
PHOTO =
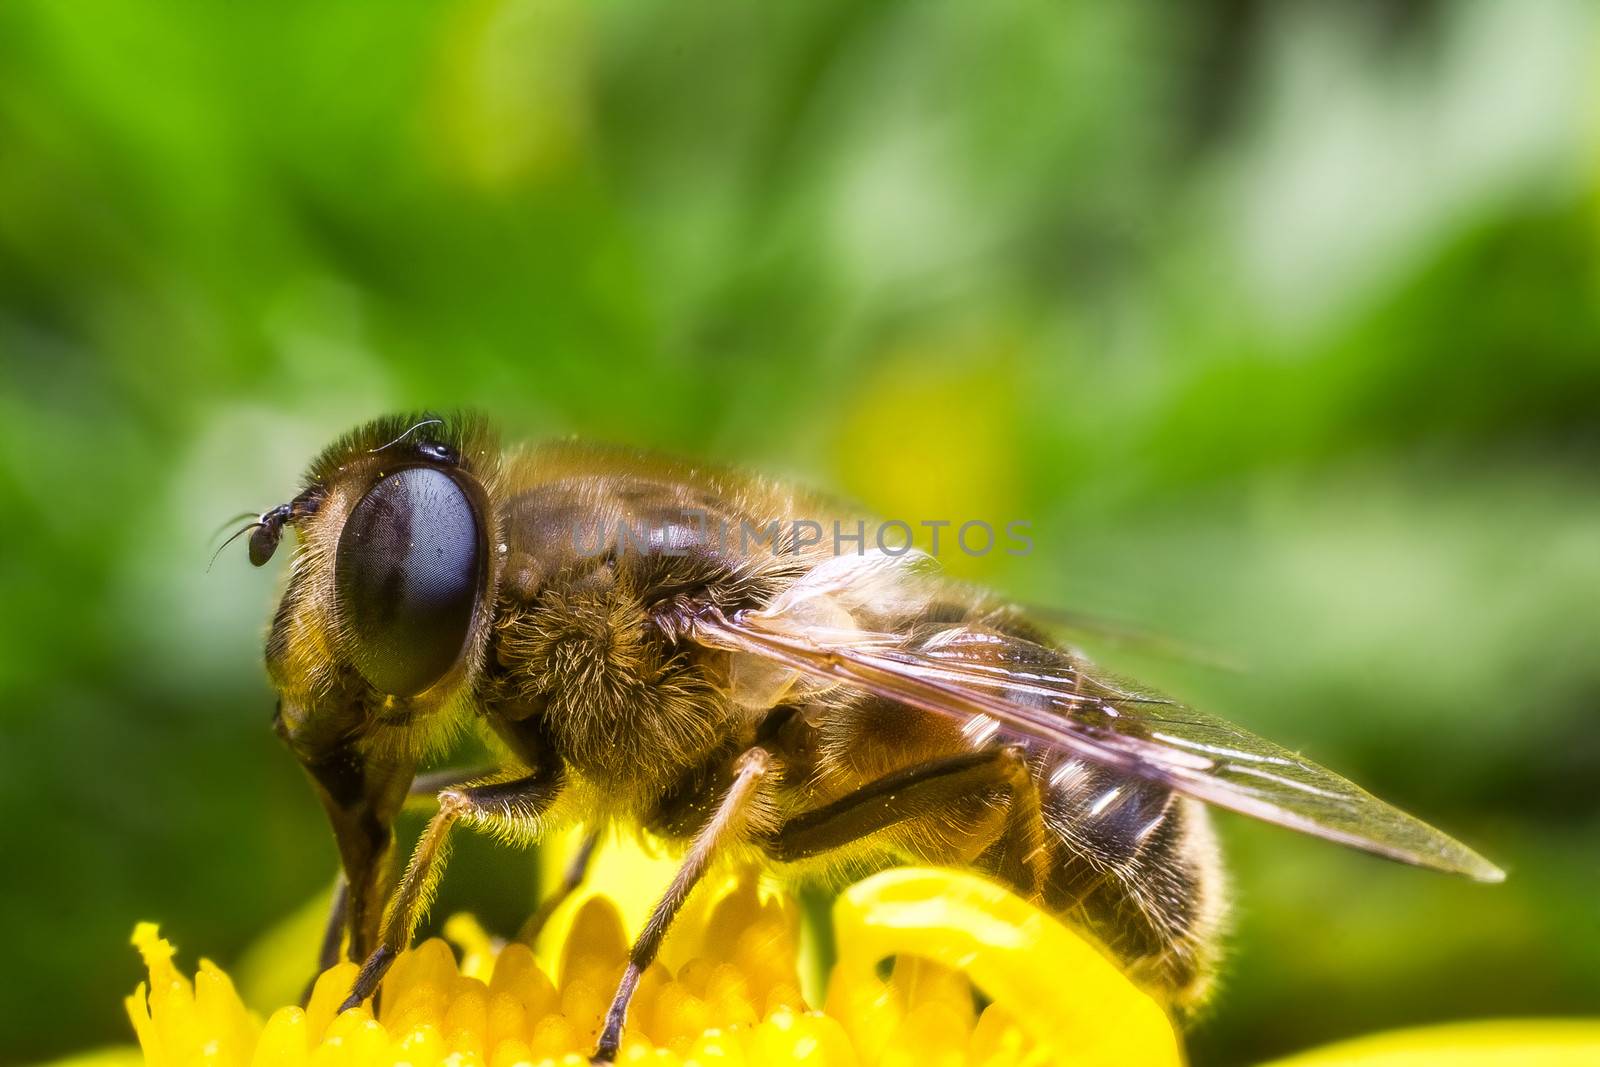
973,807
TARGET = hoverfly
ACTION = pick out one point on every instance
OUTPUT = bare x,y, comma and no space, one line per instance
773,701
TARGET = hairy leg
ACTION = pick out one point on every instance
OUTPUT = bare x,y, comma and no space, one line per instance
423,786
727,824
515,804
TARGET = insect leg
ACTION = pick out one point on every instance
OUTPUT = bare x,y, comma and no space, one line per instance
577,869
425,785
332,935
919,790
425,788
430,783
727,824
508,805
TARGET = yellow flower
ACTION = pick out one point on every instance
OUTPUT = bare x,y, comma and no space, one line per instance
727,992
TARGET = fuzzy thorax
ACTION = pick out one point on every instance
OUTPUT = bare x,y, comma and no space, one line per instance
621,707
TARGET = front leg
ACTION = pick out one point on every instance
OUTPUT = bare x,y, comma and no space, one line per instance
515,806
333,935
728,823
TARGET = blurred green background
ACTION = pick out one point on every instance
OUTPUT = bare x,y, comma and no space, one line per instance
1280,322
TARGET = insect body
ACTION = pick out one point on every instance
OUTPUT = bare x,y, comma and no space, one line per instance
654,645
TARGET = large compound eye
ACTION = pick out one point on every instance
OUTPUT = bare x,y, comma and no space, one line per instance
406,576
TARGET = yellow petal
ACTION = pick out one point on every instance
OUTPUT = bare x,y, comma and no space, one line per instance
326,996
1067,996
476,946
283,1041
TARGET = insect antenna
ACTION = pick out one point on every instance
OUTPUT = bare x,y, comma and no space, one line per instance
268,530
229,521
240,532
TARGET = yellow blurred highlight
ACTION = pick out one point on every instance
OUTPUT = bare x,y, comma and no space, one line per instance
509,99
1492,1043
932,436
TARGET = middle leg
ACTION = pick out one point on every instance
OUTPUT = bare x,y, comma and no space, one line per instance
577,870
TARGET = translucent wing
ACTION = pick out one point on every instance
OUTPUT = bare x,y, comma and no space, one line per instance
1042,694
